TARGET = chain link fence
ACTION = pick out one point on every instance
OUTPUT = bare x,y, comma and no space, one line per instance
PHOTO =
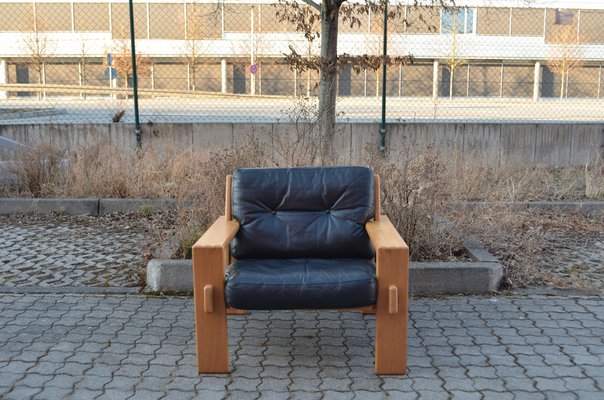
213,61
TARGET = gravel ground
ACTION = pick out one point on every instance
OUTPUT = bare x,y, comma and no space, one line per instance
546,248
537,248
59,250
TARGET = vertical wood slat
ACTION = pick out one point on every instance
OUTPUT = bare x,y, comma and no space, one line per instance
211,328
377,199
391,328
228,212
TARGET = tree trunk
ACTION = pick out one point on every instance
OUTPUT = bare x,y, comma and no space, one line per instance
451,83
327,83
562,76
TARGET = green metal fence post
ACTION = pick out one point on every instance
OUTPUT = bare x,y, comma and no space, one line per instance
385,54
137,125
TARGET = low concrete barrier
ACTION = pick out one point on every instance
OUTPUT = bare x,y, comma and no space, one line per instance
90,206
425,278
109,206
24,205
46,206
539,143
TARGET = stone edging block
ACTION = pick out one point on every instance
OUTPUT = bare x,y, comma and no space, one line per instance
169,276
430,278
45,206
425,278
108,206
71,206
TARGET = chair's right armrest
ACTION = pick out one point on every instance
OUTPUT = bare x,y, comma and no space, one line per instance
383,235
219,235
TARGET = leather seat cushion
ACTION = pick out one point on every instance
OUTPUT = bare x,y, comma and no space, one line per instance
308,283
317,212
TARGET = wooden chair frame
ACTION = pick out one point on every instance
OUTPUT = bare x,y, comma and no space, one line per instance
211,255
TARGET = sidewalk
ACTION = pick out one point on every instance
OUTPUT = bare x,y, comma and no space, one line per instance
61,339
56,346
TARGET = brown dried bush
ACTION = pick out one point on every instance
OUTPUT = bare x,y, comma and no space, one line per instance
423,191
40,170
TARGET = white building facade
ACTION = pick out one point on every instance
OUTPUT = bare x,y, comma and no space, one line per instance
504,49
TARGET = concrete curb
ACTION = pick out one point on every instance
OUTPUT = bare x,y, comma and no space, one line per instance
71,206
91,206
45,206
108,206
68,289
481,276
433,278
586,207
169,275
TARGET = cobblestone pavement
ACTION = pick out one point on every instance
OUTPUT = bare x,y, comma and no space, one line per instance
56,346
71,251
580,259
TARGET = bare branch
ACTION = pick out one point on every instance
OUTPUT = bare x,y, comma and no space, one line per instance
313,4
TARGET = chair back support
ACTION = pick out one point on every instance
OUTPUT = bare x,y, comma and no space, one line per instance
311,212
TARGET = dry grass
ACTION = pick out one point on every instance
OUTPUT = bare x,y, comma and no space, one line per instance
525,242
40,170
420,189
594,177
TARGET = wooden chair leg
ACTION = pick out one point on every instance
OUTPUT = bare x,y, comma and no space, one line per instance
391,313
210,312
391,342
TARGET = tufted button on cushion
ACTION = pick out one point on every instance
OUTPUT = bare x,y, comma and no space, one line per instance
286,284
302,212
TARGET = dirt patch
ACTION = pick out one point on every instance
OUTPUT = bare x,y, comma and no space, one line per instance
543,248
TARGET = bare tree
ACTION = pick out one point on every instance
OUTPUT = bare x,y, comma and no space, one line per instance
565,53
39,48
328,13
83,65
122,61
453,59
197,19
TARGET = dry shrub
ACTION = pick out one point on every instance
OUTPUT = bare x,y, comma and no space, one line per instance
39,169
594,177
523,240
202,196
415,197
421,188
472,176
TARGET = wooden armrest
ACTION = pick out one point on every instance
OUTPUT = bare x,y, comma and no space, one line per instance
219,235
383,235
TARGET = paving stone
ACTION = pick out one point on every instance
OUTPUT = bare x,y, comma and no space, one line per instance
83,251
461,395
21,392
369,395
534,370
332,395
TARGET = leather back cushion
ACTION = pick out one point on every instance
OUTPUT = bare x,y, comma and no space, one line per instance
314,212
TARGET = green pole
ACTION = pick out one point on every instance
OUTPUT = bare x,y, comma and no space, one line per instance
385,54
137,125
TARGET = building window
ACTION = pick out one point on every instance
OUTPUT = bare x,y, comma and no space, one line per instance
459,21
564,17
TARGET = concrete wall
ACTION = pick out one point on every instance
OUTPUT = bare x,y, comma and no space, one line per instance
549,144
